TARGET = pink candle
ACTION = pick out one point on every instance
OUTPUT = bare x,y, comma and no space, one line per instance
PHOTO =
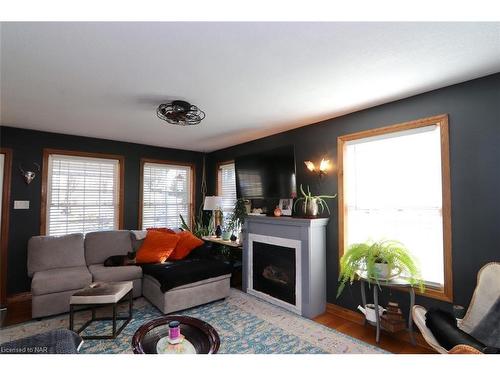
174,330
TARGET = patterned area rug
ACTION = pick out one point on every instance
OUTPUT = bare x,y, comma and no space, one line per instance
245,325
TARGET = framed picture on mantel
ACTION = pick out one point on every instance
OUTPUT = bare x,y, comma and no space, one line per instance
286,207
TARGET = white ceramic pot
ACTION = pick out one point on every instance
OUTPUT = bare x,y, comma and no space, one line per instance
382,271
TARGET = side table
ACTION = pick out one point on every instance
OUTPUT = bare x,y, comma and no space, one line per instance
395,283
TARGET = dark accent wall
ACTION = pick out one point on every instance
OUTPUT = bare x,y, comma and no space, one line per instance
27,146
474,120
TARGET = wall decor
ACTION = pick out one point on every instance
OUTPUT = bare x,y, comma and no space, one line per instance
286,207
29,175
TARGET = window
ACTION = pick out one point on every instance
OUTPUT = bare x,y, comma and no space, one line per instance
226,186
167,193
394,184
82,192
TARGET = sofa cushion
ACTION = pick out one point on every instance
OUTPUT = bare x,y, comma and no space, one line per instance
60,280
50,252
123,273
101,245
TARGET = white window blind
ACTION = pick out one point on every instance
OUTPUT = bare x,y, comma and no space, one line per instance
82,194
393,190
227,187
166,195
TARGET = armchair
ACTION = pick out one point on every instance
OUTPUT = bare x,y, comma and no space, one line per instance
485,295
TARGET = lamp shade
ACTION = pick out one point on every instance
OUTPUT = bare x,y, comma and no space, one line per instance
212,203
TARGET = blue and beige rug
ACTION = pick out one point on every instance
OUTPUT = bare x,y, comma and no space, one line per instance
245,325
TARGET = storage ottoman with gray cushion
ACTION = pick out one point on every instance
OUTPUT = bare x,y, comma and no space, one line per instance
101,245
58,269
185,296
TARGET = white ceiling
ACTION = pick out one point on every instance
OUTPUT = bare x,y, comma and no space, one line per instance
105,80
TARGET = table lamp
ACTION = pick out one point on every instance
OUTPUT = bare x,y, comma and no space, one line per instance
213,203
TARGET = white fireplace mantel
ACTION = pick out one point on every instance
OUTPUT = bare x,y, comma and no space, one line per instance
308,238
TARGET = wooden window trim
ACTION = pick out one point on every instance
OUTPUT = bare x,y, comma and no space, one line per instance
218,182
45,175
192,166
4,231
446,292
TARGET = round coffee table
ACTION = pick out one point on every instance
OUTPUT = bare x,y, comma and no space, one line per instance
199,337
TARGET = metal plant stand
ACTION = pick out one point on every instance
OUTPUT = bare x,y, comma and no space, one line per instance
394,283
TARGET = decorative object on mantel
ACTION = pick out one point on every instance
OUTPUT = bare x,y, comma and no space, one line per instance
29,175
378,261
286,207
321,170
393,320
313,203
180,112
277,211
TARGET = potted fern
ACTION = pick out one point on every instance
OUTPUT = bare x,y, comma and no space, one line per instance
379,261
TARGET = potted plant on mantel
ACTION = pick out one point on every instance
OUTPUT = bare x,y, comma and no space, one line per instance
312,204
378,261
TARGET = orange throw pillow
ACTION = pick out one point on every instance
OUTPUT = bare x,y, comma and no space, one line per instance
187,243
157,247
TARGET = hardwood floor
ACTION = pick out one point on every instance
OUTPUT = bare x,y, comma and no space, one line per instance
20,311
397,343
17,312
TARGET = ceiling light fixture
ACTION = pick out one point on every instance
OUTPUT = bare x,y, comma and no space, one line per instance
180,112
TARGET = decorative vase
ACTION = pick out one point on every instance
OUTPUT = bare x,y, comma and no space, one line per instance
311,207
226,236
277,211
218,231
233,238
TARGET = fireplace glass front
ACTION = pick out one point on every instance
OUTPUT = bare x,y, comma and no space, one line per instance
274,271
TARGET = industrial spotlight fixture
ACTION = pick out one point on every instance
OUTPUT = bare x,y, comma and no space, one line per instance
180,112
324,166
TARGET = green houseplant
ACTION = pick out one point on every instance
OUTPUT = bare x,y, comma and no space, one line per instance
199,228
237,217
312,204
381,260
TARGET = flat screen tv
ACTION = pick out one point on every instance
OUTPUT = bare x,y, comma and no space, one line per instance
266,174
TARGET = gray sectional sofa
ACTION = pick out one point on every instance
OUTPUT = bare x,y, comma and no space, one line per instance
59,266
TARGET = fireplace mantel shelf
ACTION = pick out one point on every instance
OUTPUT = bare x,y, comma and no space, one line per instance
290,220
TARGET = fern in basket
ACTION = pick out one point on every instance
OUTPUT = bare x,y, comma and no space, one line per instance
366,256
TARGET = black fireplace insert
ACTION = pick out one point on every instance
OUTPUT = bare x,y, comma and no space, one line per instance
274,271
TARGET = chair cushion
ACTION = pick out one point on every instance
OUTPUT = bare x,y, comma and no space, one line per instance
101,245
488,328
122,273
60,280
51,252
187,243
157,247
443,326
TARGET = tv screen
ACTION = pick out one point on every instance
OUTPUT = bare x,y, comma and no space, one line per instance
267,174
